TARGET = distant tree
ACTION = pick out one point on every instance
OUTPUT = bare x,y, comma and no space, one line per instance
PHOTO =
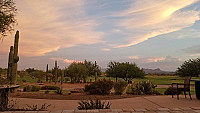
22,74
39,74
91,68
7,16
77,72
29,70
124,70
53,72
190,67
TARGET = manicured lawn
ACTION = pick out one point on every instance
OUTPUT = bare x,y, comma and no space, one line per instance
158,80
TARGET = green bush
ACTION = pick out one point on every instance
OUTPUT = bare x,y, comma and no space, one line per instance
170,90
27,88
58,91
143,88
50,88
35,88
120,87
30,88
93,104
46,92
100,87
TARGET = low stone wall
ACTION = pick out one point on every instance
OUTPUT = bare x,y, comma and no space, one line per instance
4,95
3,99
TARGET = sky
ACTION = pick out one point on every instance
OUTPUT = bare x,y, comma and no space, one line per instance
152,33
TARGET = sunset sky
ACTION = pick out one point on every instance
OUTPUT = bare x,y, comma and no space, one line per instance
152,33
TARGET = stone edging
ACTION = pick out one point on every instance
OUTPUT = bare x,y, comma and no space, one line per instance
157,110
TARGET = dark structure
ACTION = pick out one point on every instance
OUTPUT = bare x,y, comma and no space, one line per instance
185,87
4,96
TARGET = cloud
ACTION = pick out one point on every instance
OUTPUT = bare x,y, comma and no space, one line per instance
167,63
72,61
155,59
149,18
65,60
105,49
193,50
46,26
133,57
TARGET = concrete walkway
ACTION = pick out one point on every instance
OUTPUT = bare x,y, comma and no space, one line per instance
150,103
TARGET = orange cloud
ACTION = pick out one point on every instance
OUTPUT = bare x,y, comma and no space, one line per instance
45,27
155,59
105,49
72,61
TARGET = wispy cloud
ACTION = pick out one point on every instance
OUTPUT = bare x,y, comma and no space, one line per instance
65,60
167,63
133,57
46,26
149,18
72,61
193,50
105,49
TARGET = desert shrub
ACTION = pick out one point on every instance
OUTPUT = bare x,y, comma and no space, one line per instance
30,88
93,104
120,87
50,88
46,92
143,88
35,88
100,87
58,91
27,88
170,90
67,79
3,81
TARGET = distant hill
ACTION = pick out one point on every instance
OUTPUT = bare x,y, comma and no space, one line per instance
157,71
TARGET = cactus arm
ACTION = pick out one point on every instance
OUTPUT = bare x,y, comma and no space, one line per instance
10,63
15,59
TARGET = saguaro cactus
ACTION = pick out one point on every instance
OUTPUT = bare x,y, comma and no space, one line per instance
56,71
47,70
95,70
12,62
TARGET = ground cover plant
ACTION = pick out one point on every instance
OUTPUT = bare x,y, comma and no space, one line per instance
170,91
93,104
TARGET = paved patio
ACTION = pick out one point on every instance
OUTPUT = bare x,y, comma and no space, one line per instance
147,104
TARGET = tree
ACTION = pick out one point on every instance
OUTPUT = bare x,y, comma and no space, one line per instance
0,72
77,72
7,16
91,68
190,67
124,70
39,74
29,70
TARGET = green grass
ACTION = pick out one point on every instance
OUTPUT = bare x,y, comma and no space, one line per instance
158,80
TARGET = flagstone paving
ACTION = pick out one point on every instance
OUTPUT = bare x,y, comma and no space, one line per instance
158,110
142,104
